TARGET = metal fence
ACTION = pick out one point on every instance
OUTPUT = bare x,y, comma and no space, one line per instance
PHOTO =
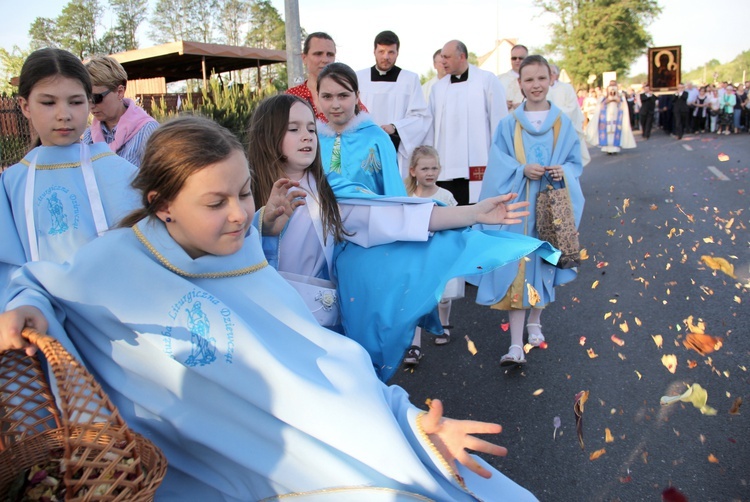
15,133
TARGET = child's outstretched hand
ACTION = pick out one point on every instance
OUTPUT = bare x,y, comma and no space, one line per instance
13,322
496,211
453,437
282,202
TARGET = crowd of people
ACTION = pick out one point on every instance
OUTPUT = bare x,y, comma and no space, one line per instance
267,294
721,108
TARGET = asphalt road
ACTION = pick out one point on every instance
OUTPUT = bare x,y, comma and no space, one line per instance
651,214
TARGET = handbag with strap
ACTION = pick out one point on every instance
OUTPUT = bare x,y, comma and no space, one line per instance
555,221
556,224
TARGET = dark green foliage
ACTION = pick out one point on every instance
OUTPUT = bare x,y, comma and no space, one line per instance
594,36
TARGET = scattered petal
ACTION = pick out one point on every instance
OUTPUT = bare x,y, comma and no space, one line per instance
658,340
602,264
702,343
716,263
608,438
617,341
638,322
534,297
556,423
470,345
505,326
624,326
712,458
591,353
637,373
671,494
580,400
708,240
694,394
537,392
670,362
692,364
735,410
584,254
723,157
582,341
595,284
597,454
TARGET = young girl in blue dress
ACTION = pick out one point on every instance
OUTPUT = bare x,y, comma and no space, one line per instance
210,354
532,147
351,143
347,242
63,193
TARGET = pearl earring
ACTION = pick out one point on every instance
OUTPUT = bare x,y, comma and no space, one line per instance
169,220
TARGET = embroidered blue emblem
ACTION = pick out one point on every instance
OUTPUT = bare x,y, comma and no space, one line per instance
371,164
57,215
540,154
203,346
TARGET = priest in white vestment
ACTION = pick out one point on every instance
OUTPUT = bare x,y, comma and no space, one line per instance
609,128
466,107
509,79
437,63
564,96
394,99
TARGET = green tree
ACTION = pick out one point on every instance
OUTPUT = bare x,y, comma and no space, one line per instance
268,31
594,36
130,14
76,27
170,21
43,33
10,66
203,19
233,16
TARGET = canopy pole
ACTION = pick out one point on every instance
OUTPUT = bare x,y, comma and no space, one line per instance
258,70
203,68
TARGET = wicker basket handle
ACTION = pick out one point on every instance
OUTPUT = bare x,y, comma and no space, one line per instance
35,337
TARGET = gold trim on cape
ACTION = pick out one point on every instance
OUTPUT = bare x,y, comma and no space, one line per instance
209,275
67,165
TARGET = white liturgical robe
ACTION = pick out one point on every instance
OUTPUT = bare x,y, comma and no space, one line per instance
400,103
465,115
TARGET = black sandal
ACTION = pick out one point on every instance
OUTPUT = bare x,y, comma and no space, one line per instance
445,337
413,355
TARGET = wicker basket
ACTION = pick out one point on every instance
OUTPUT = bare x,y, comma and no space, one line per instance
106,461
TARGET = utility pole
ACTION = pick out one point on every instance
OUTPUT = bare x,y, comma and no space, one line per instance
295,75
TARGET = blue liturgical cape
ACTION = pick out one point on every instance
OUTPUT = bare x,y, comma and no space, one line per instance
219,363
505,174
384,290
367,155
62,212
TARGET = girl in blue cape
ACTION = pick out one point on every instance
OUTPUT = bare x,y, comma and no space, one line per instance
210,354
534,142
377,253
351,144
63,193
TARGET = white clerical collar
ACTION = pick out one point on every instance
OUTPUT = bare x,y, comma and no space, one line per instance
381,72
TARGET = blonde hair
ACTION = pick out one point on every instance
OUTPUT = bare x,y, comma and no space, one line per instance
419,152
107,72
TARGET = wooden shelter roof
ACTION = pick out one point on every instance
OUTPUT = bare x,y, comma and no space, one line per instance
193,60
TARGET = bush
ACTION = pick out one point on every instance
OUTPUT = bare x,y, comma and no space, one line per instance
229,106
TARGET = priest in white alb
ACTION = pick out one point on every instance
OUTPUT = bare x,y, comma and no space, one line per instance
393,96
509,79
466,107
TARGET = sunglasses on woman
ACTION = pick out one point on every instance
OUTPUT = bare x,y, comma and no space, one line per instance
98,98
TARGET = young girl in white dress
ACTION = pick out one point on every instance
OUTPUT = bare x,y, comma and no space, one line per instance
424,169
